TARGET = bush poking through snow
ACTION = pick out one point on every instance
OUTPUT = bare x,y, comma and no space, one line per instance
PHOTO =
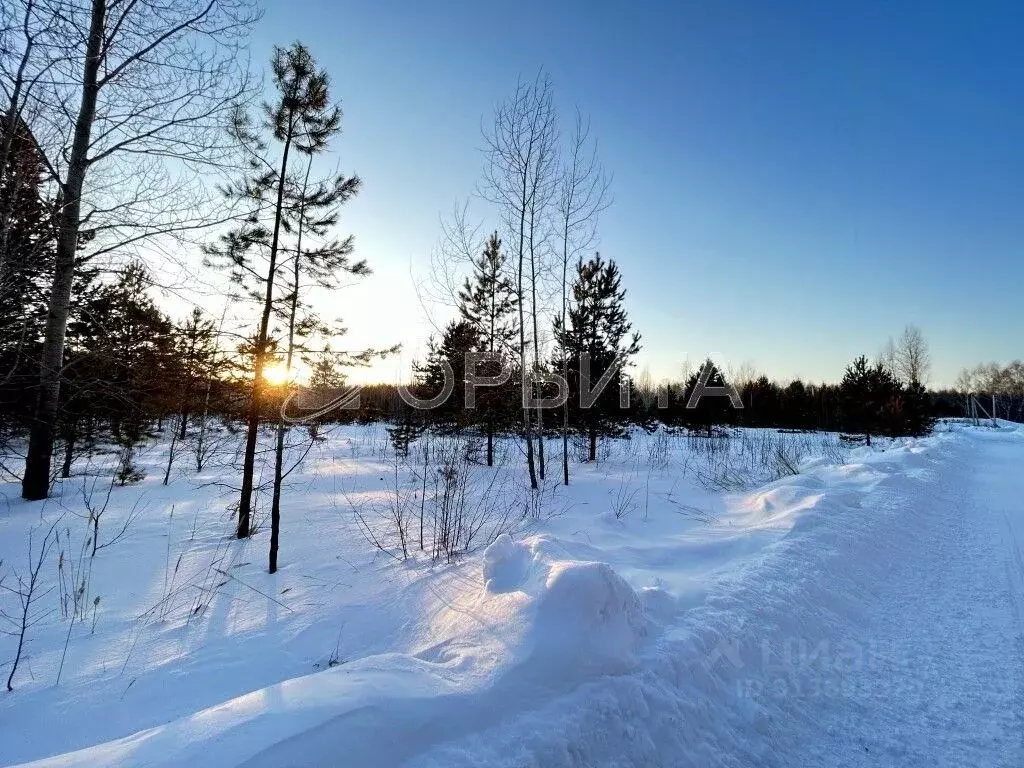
446,504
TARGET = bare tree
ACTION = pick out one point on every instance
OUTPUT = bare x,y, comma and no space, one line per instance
518,178
135,105
583,195
24,62
27,593
544,186
887,356
911,358
451,262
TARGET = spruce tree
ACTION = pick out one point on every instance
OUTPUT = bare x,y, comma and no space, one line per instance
867,390
599,332
487,303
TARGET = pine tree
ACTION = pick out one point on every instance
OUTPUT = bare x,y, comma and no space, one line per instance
917,411
196,351
598,333
327,378
195,341
26,261
459,339
120,362
866,392
709,410
302,120
487,302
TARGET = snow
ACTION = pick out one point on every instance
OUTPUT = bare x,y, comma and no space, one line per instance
865,611
506,563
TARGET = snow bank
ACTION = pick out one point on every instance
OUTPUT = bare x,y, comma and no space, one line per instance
588,614
531,623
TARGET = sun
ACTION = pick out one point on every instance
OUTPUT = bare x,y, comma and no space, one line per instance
275,374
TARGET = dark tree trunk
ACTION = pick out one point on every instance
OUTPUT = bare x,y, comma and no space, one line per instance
592,455
565,452
275,508
35,482
252,431
69,453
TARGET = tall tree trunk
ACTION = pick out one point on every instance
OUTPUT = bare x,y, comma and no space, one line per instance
35,482
527,422
275,504
565,356
536,345
201,437
592,456
252,431
170,452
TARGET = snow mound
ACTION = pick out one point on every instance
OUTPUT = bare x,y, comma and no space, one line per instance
505,564
588,612
567,612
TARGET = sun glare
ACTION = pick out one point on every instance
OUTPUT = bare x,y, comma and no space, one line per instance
275,375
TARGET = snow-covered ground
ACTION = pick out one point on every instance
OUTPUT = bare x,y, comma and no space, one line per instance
667,608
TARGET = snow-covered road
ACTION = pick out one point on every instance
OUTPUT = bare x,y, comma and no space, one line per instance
947,682
944,627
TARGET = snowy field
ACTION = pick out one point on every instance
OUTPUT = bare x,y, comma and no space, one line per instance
766,598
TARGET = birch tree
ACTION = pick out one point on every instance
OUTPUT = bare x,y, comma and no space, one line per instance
518,177
911,358
131,110
583,195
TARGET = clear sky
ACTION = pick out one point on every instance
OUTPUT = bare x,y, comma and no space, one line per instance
793,181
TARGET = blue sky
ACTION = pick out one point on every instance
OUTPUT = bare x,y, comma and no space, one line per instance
793,182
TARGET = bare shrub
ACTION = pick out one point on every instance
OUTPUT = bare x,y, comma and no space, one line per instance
624,499
743,459
439,497
659,448
27,591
